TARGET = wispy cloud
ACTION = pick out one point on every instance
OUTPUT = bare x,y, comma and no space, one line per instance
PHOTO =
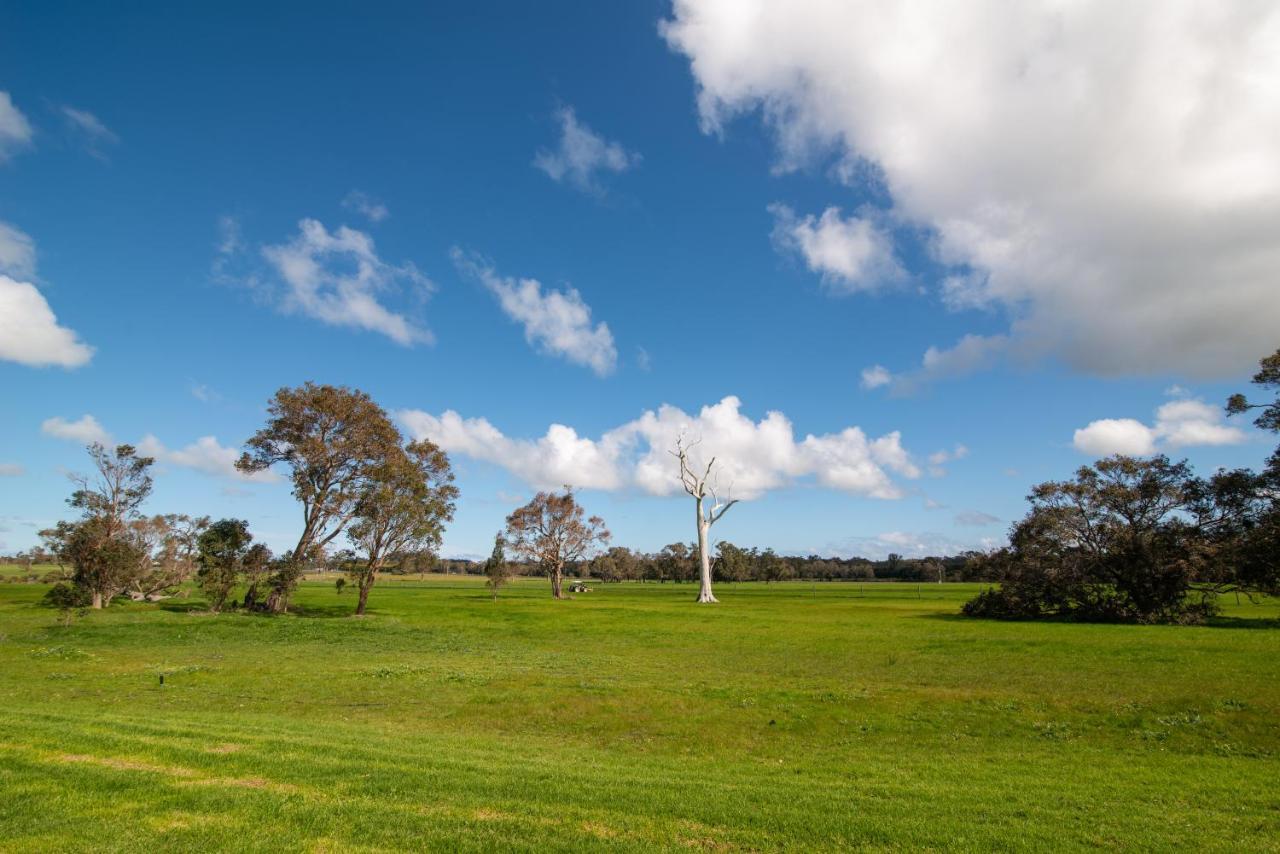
365,205
971,354
337,277
95,135
581,156
17,252
555,322
15,130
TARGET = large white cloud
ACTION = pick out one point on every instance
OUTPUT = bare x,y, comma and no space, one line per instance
1107,174
582,155
1178,424
337,277
15,130
555,322
752,457
30,333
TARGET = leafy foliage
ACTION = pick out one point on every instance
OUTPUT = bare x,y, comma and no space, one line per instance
553,530
333,440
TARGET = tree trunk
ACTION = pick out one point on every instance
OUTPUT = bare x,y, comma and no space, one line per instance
97,600
704,528
277,601
366,584
557,580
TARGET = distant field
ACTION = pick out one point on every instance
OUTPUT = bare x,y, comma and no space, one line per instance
790,716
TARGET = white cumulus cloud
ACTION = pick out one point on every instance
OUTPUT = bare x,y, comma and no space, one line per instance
851,254
582,155
876,376
204,455
30,333
753,457
1106,175
337,277
555,322
85,430
1179,423
12,470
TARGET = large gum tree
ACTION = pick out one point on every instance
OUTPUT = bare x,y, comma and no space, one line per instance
333,441
553,531
403,510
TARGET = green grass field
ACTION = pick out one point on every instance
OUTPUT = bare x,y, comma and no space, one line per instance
795,716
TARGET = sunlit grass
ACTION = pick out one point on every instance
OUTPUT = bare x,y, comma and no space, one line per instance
795,715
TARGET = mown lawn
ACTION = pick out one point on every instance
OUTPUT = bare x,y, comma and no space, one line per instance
792,716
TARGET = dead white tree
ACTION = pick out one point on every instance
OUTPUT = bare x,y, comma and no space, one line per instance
700,486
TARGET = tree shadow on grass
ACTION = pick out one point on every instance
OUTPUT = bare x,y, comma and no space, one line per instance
1243,623
188,607
1211,623
950,617
323,612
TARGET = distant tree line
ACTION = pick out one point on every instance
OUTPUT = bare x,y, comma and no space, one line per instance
677,563
1142,540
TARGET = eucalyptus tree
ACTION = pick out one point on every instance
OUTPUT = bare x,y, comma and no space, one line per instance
497,569
553,530
223,550
104,558
333,440
407,500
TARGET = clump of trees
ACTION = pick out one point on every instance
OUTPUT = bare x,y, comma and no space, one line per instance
228,557
1143,540
349,466
105,560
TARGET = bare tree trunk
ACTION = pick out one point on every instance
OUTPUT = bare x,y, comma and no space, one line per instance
97,600
704,528
698,487
557,581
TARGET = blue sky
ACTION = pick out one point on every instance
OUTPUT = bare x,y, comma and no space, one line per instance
949,254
